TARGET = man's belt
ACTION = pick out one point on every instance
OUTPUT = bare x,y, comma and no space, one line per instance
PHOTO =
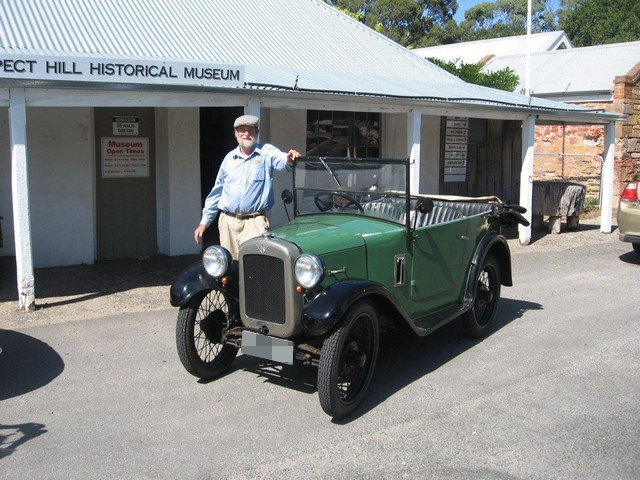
244,216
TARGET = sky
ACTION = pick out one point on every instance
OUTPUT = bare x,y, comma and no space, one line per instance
462,6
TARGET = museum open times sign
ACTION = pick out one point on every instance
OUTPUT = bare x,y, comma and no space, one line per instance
125,157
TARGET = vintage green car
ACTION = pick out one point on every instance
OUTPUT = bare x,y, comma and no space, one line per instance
362,255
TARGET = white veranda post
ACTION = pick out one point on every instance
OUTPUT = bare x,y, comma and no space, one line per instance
414,122
526,177
20,198
253,108
606,206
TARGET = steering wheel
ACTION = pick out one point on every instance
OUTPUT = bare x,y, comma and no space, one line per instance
326,204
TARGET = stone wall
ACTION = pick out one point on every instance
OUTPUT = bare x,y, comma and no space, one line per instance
626,99
574,152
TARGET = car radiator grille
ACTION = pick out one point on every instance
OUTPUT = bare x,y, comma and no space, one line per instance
264,287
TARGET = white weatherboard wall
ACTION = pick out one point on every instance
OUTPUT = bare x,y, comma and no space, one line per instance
61,185
394,135
286,129
178,174
394,145
430,155
6,204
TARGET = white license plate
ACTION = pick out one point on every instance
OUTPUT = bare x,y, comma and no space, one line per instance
263,346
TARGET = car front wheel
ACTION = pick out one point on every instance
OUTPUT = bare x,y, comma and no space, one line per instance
478,320
347,361
636,248
201,333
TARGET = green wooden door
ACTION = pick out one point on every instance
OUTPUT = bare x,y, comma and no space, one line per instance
125,182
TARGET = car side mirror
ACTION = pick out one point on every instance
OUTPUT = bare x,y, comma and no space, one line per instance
424,205
287,197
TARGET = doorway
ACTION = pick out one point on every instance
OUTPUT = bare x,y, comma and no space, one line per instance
216,140
125,183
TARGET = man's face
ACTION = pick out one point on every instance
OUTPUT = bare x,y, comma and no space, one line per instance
247,136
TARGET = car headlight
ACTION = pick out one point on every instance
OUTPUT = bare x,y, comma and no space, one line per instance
216,261
309,270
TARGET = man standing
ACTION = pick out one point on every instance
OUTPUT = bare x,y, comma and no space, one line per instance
243,190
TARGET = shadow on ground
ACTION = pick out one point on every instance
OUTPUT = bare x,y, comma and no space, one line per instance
630,257
403,359
13,436
91,281
26,364
511,233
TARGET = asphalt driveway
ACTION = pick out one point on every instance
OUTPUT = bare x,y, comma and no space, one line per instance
553,392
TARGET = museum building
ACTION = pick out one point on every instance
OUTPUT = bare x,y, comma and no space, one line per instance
114,118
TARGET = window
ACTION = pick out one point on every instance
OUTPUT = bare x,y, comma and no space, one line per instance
343,134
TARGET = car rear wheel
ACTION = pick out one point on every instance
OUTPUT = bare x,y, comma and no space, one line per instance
478,320
636,248
347,361
201,332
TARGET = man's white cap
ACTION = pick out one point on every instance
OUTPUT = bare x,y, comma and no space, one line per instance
248,120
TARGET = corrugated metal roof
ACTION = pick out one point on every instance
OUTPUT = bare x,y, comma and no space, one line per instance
301,34
473,52
578,70
284,44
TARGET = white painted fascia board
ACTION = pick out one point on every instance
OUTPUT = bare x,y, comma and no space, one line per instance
472,113
578,97
315,103
561,39
53,97
585,118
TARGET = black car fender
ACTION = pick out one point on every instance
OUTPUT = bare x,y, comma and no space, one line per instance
496,244
196,280
326,309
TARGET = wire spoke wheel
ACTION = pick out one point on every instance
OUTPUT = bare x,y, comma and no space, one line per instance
348,360
201,332
487,296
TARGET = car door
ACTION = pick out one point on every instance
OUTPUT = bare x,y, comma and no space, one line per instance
439,253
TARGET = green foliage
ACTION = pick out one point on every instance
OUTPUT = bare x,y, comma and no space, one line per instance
422,23
407,22
597,22
504,18
591,204
504,79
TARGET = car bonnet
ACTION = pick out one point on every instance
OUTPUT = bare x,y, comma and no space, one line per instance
321,234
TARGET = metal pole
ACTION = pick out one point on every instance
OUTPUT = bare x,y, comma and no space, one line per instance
527,83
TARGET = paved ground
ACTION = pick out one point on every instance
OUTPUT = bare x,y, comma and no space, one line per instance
553,392
79,292
66,294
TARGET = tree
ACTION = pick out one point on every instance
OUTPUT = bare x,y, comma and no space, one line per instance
505,79
597,22
407,22
504,18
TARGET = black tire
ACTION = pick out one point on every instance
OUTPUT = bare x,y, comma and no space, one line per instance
202,325
347,361
636,248
479,319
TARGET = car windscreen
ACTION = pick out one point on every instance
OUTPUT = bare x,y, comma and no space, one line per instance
375,188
